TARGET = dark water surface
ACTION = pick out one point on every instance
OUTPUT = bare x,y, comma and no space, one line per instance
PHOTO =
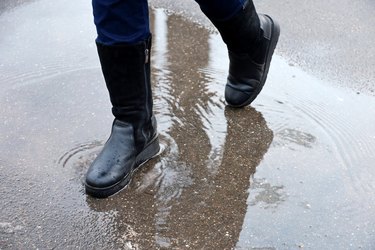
294,170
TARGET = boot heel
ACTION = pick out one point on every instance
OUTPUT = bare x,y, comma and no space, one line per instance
274,39
151,150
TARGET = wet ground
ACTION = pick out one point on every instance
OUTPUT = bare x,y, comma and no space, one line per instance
294,170
326,38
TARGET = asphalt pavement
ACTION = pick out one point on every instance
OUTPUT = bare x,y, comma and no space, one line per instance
294,170
332,40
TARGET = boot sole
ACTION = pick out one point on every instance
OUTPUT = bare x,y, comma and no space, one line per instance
271,48
151,151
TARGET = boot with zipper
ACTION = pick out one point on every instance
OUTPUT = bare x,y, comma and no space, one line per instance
134,139
251,40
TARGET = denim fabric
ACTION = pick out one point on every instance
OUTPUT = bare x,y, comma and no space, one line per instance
121,21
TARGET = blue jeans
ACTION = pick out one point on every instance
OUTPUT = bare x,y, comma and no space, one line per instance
127,21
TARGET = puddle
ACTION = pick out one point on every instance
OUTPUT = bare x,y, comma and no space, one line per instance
293,170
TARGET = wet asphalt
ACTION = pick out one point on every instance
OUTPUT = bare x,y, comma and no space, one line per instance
293,170
329,39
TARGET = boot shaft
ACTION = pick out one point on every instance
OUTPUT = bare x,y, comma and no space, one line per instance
126,70
242,32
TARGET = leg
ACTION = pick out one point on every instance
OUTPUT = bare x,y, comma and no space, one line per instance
251,40
124,45
121,21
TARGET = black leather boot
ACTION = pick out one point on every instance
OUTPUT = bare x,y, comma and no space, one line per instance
134,139
251,40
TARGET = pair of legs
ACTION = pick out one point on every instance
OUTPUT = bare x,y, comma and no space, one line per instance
127,21
124,48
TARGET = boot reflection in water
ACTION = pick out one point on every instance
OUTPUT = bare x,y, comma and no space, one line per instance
210,212
124,49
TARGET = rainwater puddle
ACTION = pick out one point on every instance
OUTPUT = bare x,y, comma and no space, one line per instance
293,170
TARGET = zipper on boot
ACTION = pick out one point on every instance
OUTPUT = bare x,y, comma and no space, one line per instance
147,56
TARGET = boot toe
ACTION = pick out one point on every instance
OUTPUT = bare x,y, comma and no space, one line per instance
236,97
103,179
111,170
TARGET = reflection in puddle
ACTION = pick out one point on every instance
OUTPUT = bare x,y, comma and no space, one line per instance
295,169
264,195
293,136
